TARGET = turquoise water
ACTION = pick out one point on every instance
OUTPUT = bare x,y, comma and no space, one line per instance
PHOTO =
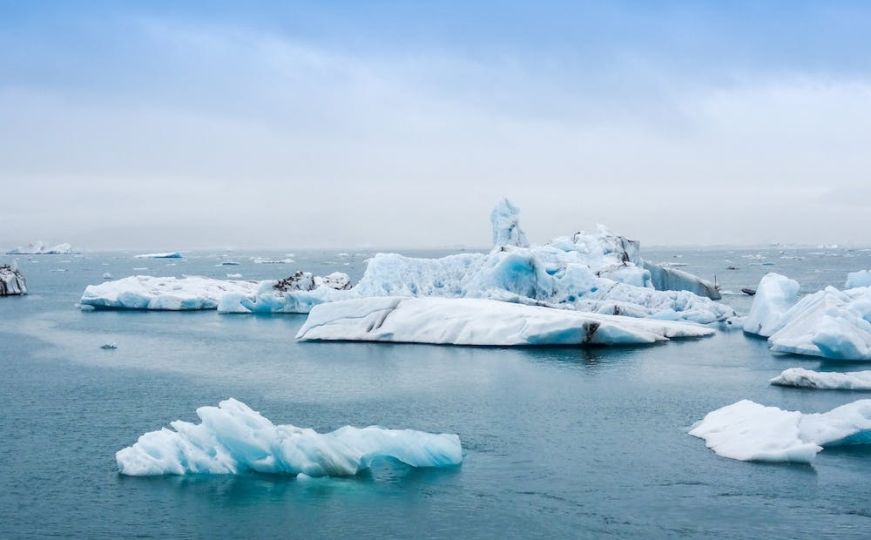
559,442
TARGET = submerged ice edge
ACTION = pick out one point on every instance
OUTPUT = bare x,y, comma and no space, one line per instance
748,431
233,439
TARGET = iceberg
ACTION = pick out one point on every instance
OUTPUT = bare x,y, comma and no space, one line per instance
774,296
163,293
828,323
295,294
165,255
12,282
824,380
41,248
475,321
748,431
234,439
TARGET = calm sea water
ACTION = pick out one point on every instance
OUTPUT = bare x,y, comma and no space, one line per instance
559,442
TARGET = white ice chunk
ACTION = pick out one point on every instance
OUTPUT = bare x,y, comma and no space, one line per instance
468,321
748,431
232,439
164,293
774,296
826,380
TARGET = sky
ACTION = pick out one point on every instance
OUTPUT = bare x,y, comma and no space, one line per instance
170,125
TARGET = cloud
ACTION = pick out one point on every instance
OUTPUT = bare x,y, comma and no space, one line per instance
266,138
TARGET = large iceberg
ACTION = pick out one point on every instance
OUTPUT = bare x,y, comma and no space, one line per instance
12,282
587,274
163,293
41,248
829,323
774,296
471,321
163,255
232,439
824,380
748,431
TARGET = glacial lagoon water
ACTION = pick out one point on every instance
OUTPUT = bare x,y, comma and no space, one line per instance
559,442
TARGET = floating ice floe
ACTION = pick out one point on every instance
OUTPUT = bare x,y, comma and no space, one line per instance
824,380
163,293
748,431
233,439
12,282
295,294
41,248
165,255
829,323
472,321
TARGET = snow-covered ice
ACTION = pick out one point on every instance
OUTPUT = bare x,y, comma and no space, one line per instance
164,255
774,296
163,293
12,282
232,439
41,248
748,431
471,321
825,380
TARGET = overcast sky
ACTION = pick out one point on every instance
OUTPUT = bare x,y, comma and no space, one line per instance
392,124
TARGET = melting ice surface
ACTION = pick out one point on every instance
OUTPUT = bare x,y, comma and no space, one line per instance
826,380
232,438
829,323
748,431
471,321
